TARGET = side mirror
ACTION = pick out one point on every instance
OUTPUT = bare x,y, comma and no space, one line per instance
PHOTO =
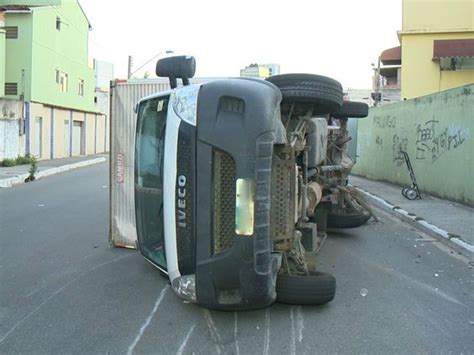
178,67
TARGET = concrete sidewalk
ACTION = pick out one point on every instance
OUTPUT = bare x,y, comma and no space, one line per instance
10,176
447,221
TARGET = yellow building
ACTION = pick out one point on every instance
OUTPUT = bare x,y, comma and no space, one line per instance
437,41
255,71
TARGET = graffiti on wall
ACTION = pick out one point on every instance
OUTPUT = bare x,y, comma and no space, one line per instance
400,145
432,142
379,142
385,121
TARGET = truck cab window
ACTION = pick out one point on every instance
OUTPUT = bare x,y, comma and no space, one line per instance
149,155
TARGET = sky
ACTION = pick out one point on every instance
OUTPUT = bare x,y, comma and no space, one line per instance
335,38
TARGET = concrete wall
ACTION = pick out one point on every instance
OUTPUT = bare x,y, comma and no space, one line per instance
55,137
90,133
12,143
2,62
40,49
102,134
18,53
65,50
437,15
60,144
38,111
9,138
437,132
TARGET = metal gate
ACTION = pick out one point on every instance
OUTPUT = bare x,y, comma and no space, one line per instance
77,138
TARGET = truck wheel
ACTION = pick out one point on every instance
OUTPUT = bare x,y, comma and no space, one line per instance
347,220
313,289
351,109
309,88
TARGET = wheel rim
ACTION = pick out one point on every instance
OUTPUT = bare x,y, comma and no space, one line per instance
411,194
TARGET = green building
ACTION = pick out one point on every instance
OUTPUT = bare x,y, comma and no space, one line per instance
44,63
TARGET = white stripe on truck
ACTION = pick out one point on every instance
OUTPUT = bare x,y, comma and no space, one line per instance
169,191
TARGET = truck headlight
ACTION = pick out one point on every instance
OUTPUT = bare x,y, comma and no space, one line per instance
244,206
185,103
185,287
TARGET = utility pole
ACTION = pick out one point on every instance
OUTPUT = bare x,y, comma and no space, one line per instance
130,63
376,96
377,88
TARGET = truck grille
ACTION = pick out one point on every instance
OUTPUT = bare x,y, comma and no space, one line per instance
224,201
282,213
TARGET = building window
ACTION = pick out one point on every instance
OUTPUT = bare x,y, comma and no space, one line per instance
62,80
11,32
58,23
80,88
456,63
11,89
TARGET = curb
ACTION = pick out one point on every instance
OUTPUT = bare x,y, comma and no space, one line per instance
20,179
454,241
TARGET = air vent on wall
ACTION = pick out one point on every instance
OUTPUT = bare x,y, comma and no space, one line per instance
11,32
11,89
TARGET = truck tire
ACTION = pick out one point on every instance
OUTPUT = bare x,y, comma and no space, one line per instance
347,220
325,92
314,289
351,109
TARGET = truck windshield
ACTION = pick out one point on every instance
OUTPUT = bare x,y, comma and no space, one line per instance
149,153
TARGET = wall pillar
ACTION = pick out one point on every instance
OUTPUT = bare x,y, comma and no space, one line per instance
51,134
27,128
71,125
95,135
84,134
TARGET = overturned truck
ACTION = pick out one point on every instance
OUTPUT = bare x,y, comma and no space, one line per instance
233,188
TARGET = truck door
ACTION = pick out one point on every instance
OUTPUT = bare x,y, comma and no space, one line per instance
149,154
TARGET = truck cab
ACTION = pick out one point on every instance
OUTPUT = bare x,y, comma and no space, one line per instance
226,188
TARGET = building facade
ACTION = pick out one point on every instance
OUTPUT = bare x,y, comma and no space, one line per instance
260,70
437,46
47,69
386,83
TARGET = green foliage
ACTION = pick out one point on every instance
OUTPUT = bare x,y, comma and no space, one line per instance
32,170
27,159
8,162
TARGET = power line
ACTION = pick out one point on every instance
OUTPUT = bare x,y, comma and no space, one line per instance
70,23
154,57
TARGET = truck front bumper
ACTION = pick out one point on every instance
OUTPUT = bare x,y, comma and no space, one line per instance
235,134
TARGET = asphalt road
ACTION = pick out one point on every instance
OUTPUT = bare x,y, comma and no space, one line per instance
63,289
